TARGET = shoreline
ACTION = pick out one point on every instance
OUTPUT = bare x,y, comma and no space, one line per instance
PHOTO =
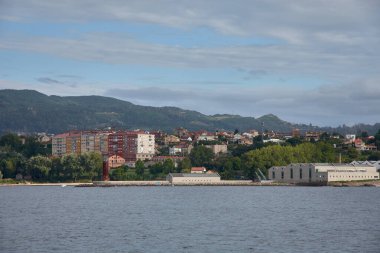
375,183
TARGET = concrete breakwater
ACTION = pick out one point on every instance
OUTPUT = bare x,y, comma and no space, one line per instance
167,183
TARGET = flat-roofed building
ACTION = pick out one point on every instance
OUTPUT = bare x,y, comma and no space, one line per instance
58,144
321,173
73,143
193,178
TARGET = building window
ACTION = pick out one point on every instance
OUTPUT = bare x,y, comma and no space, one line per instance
291,173
300,173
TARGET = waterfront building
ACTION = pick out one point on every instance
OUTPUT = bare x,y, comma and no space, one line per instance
321,173
193,179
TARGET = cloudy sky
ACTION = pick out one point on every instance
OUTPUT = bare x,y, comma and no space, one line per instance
309,61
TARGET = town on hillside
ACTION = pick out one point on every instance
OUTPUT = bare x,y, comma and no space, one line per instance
142,155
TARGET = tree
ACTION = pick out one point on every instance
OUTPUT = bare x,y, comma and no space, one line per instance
294,141
71,167
139,167
377,139
38,167
156,169
12,163
228,170
56,171
352,153
92,164
168,166
33,147
201,156
12,142
119,174
184,166
375,156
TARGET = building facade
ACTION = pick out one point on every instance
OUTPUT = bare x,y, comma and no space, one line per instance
130,145
321,173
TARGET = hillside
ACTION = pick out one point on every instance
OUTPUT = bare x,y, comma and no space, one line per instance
30,111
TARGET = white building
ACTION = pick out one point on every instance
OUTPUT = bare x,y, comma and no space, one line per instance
321,173
193,178
145,146
350,137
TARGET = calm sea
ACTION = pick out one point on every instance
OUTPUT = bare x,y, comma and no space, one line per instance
189,219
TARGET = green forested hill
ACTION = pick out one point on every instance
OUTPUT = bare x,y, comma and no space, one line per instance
30,111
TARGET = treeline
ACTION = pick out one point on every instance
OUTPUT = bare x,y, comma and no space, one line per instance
27,158
157,171
32,160
53,169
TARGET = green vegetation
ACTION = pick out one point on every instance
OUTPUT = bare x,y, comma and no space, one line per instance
25,158
30,160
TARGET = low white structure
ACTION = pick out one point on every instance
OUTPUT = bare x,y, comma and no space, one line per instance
321,173
193,178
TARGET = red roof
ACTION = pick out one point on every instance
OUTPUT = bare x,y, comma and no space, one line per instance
198,169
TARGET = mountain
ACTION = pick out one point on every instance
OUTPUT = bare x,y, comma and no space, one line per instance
30,111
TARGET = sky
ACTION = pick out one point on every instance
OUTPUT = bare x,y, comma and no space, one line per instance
309,61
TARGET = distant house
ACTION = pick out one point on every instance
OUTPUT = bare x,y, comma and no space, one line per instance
198,170
115,161
218,149
205,136
193,179
171,139
181,149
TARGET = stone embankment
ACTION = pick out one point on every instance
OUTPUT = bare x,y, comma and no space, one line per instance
167,183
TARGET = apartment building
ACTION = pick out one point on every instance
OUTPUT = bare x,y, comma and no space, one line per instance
131,146
59,144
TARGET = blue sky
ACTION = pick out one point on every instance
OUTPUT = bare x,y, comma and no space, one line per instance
306,61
